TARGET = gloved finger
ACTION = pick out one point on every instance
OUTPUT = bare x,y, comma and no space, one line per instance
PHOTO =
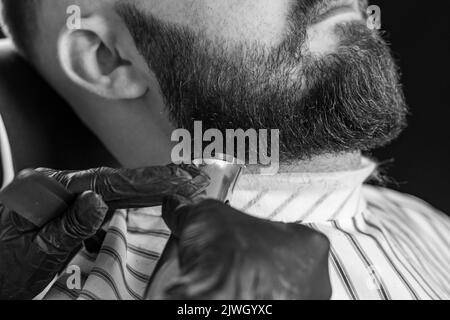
174,212
149,186
80,222
178,210
134,188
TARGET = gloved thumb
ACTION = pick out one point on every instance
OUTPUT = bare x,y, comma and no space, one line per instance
83,219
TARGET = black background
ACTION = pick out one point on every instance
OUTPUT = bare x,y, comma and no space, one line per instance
418,162
419,32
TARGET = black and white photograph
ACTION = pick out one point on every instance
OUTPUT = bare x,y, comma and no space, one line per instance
224,150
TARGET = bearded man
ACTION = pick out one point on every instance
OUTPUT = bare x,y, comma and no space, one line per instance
134,71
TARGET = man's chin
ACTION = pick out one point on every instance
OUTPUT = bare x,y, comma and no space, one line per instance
351,99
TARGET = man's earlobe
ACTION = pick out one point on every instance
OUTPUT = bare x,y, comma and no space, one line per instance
92,57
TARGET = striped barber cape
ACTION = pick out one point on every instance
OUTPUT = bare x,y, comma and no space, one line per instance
384,245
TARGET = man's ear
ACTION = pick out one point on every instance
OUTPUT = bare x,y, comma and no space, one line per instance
101,57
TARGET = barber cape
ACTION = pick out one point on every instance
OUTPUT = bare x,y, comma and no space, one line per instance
384,245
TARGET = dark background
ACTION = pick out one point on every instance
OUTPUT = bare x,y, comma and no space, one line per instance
420,36
418,161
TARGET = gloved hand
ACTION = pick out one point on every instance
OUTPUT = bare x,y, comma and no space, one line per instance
226,254
31,257
134,188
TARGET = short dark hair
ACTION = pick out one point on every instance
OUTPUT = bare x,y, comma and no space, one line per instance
19,17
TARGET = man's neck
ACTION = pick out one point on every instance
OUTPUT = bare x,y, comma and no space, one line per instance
323,163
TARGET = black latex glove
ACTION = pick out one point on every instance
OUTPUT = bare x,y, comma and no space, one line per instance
134,188
31,257
226,254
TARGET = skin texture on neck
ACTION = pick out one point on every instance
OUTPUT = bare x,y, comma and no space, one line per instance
325,163
322,163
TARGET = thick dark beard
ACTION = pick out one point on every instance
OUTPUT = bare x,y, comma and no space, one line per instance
345,101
